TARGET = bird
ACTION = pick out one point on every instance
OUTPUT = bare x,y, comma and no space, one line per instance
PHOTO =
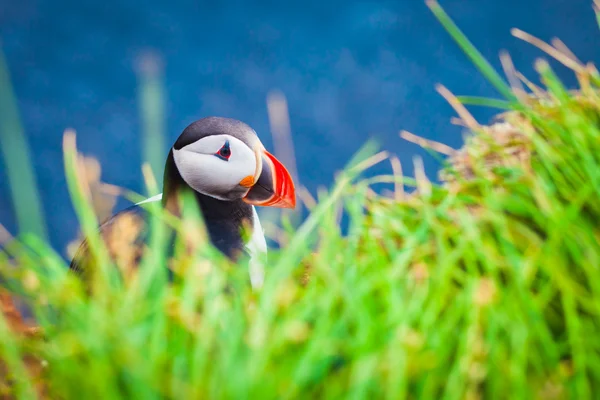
223,163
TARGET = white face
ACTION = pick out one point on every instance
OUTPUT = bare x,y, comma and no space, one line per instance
203,167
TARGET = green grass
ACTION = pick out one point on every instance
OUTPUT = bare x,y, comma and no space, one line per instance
15,151
152,111
487,286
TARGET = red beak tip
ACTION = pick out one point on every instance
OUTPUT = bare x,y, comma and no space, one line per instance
285,202
290,204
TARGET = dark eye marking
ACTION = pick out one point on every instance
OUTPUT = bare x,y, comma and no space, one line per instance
224,152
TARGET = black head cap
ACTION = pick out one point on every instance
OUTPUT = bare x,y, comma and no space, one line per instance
216,126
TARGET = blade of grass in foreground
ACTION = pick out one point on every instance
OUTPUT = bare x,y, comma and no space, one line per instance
483,102
25,196
85,213
152,110
281,133
467,47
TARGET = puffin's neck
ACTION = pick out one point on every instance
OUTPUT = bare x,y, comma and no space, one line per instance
224,219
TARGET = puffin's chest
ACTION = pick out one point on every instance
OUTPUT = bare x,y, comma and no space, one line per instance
240,233
225,223
227,234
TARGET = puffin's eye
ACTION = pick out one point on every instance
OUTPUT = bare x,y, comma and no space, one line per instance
224,152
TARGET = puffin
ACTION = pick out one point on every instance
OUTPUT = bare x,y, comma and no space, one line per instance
224,165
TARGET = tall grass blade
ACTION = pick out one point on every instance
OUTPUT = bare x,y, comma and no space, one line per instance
596,7
467,47
484,102
151,98
102,266
18,161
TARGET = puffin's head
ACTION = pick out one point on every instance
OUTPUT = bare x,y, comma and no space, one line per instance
223,158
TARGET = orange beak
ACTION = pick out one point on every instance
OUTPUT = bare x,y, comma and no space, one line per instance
274,187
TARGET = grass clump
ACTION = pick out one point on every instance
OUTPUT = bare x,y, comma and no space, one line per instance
484,286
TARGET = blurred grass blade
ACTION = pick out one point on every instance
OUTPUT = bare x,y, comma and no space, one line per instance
151,97
18,161
467,47
80,196
366,151
283,146
154,260
484,102
279,119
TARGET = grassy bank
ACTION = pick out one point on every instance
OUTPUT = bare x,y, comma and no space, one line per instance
484,286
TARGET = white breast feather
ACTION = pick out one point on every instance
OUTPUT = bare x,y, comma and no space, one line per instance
256,246
158,197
